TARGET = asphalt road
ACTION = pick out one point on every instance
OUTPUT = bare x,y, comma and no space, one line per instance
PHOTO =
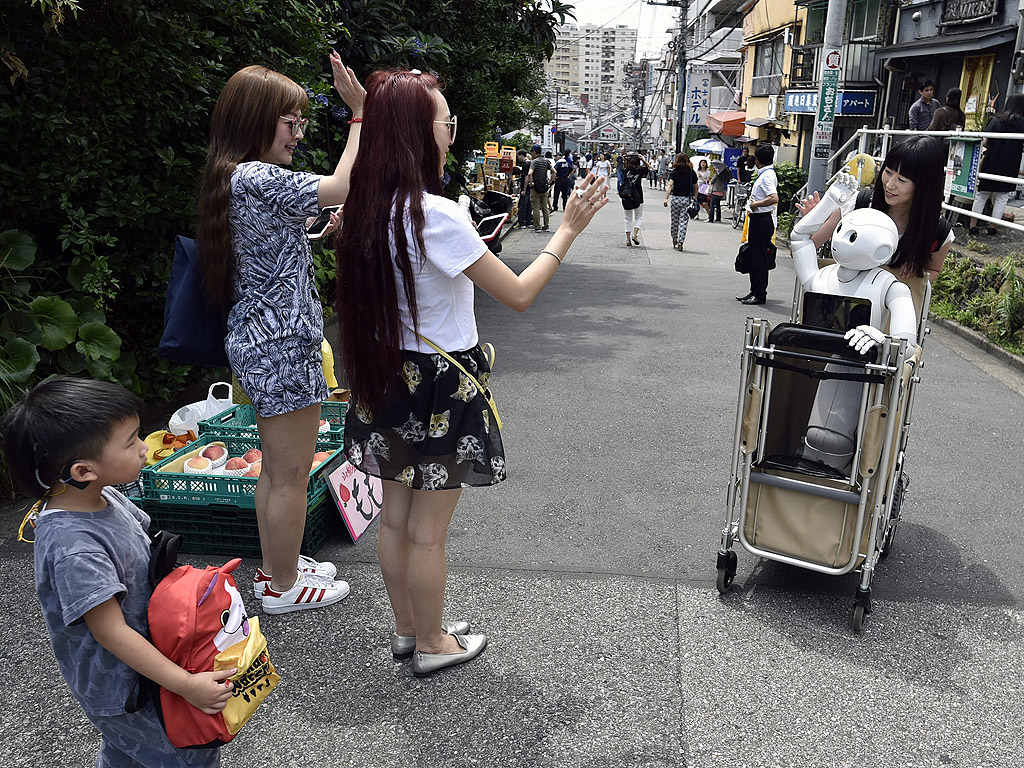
592,568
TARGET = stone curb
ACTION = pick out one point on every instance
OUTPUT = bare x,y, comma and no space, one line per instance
978,340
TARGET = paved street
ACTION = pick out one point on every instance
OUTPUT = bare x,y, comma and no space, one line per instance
592,568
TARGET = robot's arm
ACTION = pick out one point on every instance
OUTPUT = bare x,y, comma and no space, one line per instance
842,193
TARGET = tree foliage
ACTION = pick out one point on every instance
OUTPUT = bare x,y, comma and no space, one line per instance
105,112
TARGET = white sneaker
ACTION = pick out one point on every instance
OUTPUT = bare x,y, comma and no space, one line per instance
309,591
306,565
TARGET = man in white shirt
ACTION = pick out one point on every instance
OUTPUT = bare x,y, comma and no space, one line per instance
762,208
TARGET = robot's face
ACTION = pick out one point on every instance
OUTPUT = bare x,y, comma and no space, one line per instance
864,239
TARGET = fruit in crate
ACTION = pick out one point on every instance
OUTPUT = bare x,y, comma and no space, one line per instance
250,473
236,463
253,455
213,452
325,426
257,467
320,457
198,464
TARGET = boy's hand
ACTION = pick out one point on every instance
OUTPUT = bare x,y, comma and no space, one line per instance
209,691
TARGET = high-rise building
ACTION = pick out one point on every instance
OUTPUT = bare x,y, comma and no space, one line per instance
591,60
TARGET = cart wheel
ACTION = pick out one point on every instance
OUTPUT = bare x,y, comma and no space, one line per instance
724,580
899,495
858,618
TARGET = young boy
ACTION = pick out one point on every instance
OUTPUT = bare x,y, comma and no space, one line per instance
66,443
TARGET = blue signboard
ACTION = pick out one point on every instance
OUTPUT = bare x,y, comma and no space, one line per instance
848,103
729,157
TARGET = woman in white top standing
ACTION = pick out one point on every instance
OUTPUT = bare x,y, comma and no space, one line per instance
603,166
407,263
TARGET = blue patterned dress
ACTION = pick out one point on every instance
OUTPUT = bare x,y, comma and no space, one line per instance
276,324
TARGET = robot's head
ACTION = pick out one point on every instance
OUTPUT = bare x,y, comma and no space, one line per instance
864,239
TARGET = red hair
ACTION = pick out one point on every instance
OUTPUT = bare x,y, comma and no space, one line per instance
397,162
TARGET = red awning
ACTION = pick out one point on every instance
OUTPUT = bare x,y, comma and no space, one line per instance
727,123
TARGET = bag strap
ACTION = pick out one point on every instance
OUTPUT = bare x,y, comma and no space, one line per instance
485,392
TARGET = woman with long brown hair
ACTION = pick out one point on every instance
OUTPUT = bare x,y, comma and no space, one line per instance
682,185
258,267
420,417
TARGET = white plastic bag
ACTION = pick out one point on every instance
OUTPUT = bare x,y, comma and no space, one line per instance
187,418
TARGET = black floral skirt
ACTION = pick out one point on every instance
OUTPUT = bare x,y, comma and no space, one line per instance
436,431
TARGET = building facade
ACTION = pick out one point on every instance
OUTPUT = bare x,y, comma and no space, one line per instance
590,62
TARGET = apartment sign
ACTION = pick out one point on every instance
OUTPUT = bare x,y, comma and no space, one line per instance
828,95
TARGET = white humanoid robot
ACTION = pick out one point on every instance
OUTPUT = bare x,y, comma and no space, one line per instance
864,240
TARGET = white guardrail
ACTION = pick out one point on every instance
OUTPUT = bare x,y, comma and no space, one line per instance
861,137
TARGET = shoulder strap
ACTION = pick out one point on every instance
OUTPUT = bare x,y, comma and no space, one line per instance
485,392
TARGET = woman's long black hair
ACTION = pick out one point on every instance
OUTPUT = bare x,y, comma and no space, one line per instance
922,159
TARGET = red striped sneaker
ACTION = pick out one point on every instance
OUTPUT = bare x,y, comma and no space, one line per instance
309,591
306,565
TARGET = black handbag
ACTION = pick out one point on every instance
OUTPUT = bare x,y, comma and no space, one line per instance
743,259
194,331
694,208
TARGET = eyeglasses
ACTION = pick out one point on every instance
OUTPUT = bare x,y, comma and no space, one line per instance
453,125
297,124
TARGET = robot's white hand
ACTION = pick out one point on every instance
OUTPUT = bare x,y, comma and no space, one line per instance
843,190
864,337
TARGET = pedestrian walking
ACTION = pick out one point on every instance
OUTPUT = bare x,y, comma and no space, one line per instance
421,417
631,192
923,110
682,186
539,182
563,182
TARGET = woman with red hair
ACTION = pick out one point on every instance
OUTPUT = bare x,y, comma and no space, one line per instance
419,417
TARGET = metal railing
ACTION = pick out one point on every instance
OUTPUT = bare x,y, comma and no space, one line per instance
838,160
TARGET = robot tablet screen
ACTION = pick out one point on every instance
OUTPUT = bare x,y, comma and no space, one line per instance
835,313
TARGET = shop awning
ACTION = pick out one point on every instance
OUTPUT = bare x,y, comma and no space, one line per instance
757,122
941,45
727,123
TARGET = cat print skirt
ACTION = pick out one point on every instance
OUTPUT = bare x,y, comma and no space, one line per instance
436,432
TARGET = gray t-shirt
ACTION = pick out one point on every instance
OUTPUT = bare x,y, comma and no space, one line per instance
83,559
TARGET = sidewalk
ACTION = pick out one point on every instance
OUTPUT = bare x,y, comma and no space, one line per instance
592,568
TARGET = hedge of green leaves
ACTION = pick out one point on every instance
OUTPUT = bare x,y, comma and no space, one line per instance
104,113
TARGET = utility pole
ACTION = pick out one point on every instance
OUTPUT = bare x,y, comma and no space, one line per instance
678,46
828,95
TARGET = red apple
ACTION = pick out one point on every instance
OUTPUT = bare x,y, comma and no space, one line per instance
321,456
253,455
236,463
213,452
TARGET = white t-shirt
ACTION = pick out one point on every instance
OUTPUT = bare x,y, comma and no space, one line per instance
444,296
766,183
604,168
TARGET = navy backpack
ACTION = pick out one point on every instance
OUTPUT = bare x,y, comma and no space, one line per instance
194,330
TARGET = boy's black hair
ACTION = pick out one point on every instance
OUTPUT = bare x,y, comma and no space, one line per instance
928,83
61,420
765,154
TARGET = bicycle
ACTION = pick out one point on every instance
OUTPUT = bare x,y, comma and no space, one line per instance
739,205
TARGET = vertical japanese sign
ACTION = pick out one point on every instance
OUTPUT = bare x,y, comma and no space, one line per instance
827,98
698,93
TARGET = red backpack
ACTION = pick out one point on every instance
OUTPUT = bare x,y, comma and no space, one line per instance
198,621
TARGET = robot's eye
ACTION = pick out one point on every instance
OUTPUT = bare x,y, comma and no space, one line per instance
853,237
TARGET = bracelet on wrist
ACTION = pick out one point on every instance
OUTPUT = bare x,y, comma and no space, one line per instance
355,120
552,253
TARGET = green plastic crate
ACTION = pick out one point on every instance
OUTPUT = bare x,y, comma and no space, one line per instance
240,421
232,531
224,490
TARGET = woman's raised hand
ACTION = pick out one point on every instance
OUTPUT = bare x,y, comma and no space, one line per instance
348,85
586,199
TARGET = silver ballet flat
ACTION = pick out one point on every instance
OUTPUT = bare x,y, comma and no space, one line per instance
402,646
424,664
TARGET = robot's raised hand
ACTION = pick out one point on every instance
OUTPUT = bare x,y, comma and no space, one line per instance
864,337
843,190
